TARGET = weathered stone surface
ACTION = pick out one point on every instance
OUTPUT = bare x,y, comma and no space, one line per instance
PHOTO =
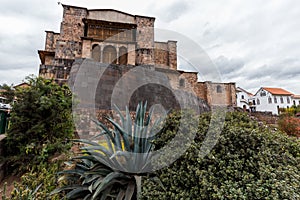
109,36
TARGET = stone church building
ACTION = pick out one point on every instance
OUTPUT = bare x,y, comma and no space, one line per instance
123,41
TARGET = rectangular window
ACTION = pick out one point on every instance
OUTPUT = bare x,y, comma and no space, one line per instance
219,89
275,100
288,100
270,100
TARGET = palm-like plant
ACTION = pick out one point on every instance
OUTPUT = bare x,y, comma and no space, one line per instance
112,169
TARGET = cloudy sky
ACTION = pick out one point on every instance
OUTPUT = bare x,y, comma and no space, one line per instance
253,43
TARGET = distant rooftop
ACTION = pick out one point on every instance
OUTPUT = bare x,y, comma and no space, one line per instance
296,96
239,89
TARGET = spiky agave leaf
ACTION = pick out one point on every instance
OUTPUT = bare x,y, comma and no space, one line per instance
109,170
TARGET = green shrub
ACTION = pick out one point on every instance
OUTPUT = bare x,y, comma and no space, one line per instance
38,183
248,162
40,122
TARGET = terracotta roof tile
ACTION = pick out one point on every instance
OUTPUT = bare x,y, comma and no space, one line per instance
277,91
296,96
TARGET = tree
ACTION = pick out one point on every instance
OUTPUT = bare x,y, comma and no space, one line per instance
40,121
8,92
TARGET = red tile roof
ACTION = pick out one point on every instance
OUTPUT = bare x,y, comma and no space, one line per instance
296,96
277,91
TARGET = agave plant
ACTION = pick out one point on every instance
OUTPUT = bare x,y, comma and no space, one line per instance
112,167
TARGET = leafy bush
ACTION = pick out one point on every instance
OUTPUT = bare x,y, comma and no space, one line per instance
37,183
289,124
40,122
292,110
248,162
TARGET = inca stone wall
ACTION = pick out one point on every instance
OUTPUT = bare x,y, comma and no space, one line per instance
51,39
161,52
221,94
138,84
69,44
72,26
172,48
75,43
145,40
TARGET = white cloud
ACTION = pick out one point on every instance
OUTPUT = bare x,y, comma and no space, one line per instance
254,43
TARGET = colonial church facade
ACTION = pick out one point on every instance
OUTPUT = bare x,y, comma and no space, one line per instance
124,41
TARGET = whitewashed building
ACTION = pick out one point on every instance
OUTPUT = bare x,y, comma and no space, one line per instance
272,99
296,100
243,99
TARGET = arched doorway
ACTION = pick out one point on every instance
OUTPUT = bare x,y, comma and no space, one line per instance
110,55
96,53
123,56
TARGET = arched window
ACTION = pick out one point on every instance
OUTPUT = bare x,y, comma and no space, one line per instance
275,100
96,53
110,55
123,56
270,100
219,89
243,97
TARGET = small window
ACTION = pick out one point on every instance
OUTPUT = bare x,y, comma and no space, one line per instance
254,102
270,100
281,100
219,89
243,97
258,102
263,93
275,100
288,100
181,82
